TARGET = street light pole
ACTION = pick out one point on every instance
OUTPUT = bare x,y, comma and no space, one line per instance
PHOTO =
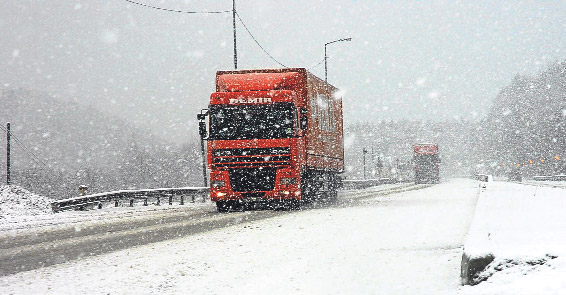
8,135
325,65
326,57
234,26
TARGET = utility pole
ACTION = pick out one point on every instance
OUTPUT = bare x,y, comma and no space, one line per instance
365,151
8,135
234,26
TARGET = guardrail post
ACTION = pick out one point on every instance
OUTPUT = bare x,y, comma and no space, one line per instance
115,203
132,203
193,197
158,201
145,202
170,200
182,202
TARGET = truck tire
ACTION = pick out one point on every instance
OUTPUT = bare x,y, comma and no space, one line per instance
222,206
332,196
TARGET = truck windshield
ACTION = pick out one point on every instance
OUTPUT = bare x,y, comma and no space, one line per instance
252,121
426,159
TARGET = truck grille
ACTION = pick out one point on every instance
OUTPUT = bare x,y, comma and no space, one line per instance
252,151
252,157
252,179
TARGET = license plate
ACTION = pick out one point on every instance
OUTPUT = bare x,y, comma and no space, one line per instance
252,199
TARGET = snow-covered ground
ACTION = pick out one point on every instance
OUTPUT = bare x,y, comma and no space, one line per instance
19,206
406,243
524,228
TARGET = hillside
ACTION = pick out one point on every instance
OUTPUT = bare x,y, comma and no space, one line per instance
527,122
81,145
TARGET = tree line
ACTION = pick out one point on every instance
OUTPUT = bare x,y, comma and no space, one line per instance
79,145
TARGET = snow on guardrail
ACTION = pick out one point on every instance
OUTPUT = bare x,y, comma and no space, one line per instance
118,197
550,178
365,183
170,195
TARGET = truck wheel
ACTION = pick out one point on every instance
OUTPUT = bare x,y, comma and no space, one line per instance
293,205
222,206
332,197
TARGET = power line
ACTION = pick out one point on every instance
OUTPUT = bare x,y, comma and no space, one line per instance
318,64
34,157
179,11
245,27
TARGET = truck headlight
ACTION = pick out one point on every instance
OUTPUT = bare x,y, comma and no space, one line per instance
288,180
217,183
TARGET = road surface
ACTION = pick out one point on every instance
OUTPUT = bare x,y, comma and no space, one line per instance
53,245
378,240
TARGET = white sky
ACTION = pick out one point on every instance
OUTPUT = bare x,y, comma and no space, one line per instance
407,59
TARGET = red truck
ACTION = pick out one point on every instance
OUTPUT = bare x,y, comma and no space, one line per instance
426,162
275,136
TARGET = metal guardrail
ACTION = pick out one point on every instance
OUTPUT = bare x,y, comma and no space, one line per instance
550,178
365,183
159,195
169,195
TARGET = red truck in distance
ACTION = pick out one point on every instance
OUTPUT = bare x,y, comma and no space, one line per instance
426,162
275,136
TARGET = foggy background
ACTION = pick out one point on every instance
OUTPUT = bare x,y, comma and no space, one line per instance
150,70
406,60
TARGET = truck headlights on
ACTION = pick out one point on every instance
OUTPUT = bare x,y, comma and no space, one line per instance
217,183
288,180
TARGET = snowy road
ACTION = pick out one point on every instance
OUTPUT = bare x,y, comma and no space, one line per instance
34,250
113,231
373,242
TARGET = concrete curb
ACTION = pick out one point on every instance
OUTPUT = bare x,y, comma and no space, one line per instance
472,267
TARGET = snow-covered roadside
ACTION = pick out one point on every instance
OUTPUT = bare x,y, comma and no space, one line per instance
524,228
21,221
407,243
22,211
18,205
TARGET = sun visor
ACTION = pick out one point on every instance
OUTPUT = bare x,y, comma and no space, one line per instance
257,81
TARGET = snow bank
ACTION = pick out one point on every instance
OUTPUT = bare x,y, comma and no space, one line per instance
518,232
17,204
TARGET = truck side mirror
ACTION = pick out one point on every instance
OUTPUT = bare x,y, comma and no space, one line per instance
202,125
